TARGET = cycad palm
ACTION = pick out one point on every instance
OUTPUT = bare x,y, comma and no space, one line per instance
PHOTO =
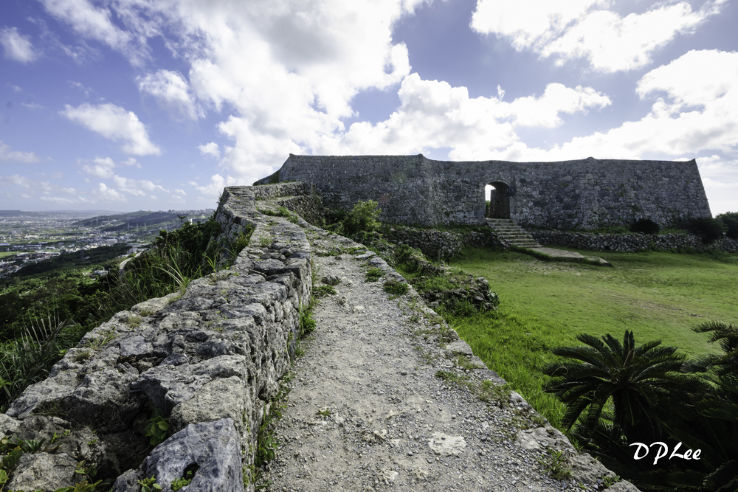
638,380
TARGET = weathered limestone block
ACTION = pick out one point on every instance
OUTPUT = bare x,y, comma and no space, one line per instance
44,471
212,446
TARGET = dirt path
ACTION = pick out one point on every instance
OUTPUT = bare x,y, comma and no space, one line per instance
385,398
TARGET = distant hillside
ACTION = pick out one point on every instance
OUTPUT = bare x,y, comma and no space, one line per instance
70,214
76,259
160,219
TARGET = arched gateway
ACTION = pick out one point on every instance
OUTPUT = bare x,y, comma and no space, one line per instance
497,199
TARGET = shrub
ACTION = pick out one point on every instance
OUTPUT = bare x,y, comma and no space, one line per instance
373,274
394,287
729,220
323,290
707,228
646,226
307,323
362,218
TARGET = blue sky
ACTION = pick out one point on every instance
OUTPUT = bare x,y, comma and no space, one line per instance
158,104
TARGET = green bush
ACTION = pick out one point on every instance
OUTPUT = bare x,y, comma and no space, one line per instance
373,274
323,291
729,220
307,323
707,228
395,288
362,219
645,226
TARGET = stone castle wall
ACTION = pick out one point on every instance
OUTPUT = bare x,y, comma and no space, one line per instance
207,360
580,194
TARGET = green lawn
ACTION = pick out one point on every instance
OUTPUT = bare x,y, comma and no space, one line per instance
660,296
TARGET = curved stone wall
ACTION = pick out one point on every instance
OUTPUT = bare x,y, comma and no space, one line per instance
579,194
207,361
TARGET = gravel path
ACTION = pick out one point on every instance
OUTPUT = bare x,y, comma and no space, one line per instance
385,397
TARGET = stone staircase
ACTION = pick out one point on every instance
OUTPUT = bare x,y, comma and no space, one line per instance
512,234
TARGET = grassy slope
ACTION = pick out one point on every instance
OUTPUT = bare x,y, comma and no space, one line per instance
544,305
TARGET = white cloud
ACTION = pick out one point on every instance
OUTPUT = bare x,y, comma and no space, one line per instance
720,177
696,112
17,46
211,149
214,188
130,162
435,115
95,23
115,123
318,55
7,154
119,186
172,90
31,105
570,29
529,23
18,180
136,187
612,43
109,194
60,200
695,78
544,111
102,167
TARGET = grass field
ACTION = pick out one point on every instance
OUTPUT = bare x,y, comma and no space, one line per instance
660,296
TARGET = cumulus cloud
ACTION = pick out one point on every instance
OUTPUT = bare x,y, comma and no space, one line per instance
214,187
120,186
435,115
589,29
95,23
211,148
102,167
557,99
136,187
529,23
172,90
16,46
106,193
696,100
318,56
7,154
114,123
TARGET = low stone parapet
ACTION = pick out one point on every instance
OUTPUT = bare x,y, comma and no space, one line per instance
631,242
176,384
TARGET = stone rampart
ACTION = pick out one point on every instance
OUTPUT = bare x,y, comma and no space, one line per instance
438,244
206,361
578,194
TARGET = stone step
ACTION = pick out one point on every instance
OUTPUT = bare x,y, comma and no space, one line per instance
512,234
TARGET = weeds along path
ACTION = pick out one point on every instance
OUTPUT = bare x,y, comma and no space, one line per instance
385,397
